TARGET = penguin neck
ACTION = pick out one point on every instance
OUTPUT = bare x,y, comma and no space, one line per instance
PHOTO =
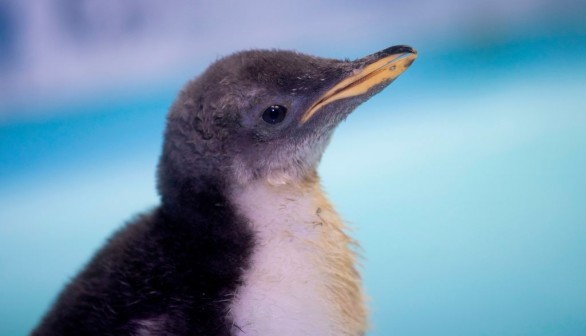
302,279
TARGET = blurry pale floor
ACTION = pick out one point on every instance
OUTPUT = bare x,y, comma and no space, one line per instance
469,205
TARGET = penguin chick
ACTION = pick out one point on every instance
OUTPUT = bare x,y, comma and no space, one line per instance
244,241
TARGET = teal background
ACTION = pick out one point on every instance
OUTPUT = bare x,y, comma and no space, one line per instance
464,181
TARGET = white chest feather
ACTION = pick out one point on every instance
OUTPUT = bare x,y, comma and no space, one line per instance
301,269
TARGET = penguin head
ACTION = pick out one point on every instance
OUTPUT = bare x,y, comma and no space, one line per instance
267,114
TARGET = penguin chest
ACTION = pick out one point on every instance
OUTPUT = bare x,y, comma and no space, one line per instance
286,288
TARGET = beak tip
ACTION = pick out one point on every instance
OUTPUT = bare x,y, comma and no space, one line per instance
398,49
410,60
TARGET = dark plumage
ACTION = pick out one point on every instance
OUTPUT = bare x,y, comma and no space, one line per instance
169,272
177,269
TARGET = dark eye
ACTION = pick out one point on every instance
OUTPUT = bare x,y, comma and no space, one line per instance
274,114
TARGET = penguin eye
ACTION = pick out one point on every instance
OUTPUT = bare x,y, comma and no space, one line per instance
274,114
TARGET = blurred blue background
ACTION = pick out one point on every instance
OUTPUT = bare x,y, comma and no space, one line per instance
464,181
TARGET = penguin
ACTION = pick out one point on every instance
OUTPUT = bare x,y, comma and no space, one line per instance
244,241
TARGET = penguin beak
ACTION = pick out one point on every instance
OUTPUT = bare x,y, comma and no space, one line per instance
380,68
